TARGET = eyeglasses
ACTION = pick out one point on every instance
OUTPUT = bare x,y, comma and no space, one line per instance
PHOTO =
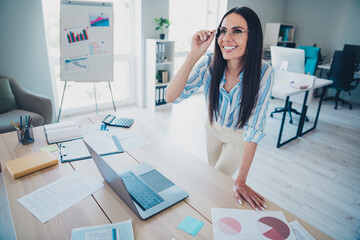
234,33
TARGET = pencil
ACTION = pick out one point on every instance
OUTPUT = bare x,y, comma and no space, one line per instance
15,125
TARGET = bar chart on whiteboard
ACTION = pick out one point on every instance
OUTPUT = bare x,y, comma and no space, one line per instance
76,34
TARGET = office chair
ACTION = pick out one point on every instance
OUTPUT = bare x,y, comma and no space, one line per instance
342,74
311,61
28,103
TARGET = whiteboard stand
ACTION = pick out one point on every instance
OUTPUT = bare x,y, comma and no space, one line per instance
96,107
86,44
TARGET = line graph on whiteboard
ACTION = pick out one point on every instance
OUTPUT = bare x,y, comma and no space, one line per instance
76,64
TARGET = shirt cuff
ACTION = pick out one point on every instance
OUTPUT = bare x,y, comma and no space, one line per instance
253,135
180,98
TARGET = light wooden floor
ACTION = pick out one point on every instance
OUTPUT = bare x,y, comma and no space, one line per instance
316,177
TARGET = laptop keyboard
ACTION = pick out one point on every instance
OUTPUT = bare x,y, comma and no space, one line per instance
141,193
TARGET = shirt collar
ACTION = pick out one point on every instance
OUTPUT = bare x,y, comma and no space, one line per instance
223,80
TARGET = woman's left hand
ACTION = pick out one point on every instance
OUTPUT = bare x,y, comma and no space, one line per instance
255,200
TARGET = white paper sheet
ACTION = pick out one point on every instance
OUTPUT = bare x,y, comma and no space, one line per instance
249,225
300,232
54,198
131,140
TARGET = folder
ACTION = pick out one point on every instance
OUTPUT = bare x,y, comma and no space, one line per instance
31,163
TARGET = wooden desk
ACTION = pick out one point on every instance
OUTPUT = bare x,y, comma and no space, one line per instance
207,188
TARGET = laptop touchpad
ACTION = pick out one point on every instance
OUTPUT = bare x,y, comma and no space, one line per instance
156,181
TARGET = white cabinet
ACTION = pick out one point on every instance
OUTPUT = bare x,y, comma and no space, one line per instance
277,34
159,71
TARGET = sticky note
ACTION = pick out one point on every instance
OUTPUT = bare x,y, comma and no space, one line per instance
50,148
191,225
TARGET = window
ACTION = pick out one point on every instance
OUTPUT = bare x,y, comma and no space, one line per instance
186,21
81,95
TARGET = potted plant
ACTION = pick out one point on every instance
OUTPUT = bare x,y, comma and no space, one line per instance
161,24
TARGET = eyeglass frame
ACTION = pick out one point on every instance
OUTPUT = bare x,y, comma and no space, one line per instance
218,33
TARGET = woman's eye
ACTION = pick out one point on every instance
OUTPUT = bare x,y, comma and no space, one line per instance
222,31
237,31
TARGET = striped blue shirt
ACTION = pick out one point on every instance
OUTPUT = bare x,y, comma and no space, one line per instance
229,102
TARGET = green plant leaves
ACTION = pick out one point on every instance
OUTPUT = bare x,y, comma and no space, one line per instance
161,23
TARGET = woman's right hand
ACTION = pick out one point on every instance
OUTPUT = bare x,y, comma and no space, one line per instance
201,41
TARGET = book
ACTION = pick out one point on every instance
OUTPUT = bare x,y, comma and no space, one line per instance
102,144
31,163
62,132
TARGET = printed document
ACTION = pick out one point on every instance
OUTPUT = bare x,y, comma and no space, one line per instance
299,231
115,231
54,198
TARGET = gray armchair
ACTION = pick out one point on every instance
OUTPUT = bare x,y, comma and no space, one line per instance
38,107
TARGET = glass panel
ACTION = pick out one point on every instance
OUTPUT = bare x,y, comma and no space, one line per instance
185,20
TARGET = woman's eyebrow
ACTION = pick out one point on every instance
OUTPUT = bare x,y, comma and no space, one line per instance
233,27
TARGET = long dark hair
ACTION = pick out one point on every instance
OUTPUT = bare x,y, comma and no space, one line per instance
251,68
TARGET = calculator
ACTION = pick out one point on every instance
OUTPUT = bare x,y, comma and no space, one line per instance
117,121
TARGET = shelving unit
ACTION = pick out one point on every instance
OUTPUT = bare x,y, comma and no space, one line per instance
159,70
277,34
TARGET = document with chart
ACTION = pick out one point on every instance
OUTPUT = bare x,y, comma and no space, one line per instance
250,225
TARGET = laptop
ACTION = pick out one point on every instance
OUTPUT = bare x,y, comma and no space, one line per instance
145,190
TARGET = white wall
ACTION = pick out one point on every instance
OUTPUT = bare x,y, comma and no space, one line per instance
330,24
150,10
267,10
23,53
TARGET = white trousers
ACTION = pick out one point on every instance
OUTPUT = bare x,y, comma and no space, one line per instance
224,147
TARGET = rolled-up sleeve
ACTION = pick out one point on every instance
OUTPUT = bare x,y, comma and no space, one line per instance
196,78
254,128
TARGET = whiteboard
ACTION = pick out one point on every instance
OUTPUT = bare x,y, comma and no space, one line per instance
86,41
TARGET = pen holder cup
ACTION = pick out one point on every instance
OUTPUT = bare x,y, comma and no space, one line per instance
25,135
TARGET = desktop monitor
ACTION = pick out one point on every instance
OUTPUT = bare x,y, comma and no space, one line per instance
355,49
288,59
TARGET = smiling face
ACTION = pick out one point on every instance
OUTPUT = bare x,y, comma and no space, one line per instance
233,48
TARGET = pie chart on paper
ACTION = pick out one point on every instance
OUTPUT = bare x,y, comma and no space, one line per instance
273,228
229,226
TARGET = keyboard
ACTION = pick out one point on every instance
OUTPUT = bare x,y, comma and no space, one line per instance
140,192
117,121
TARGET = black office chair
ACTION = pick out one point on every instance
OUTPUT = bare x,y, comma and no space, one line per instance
342,74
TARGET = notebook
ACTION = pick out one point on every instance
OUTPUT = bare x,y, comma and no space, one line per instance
31,163
61,132
139,180
76,149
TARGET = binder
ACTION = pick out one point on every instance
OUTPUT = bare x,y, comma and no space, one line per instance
31,163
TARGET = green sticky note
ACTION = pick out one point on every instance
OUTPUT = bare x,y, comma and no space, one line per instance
191,225
50,148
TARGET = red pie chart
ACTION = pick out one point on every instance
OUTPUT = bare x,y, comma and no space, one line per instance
229,226
273,228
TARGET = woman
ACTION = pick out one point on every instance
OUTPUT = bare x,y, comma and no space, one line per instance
237,88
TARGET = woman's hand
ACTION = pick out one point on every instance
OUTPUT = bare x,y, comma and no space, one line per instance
255,200
201,41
